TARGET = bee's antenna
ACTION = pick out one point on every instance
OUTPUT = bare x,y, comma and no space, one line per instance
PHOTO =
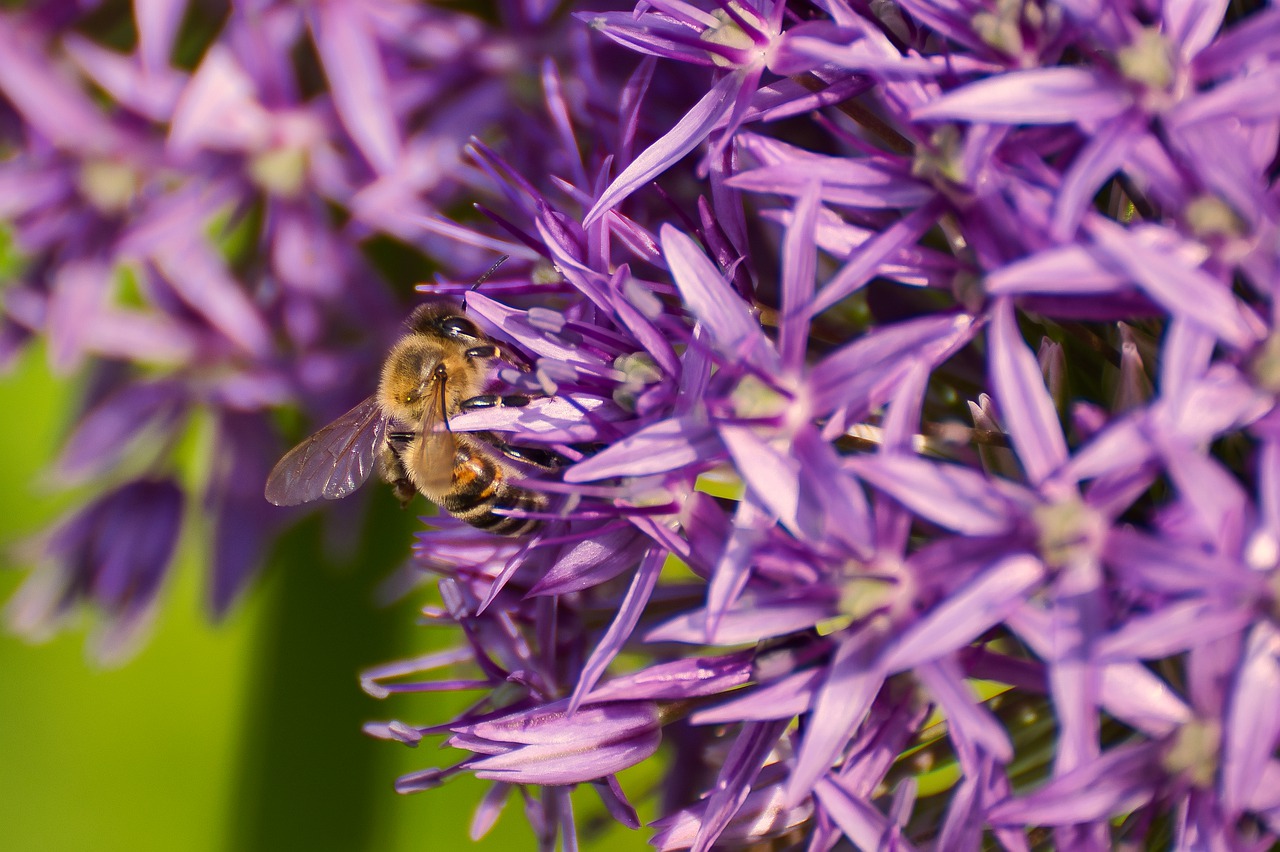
488,272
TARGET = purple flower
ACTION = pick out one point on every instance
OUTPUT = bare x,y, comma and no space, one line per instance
113,553
911,368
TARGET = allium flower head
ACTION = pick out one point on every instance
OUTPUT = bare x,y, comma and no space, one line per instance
910,368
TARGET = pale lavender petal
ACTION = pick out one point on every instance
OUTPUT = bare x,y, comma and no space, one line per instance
348,50
591,562
1105,154
79,293
902,423
1171,630
1249,98
969,722
747,621
1122,445
219,109
489,809
106,431
630,609
799,266
692,128
1070,270
1170,567
762,817
751,748
514,324
1253,723
1185,356
965,614
713,302
853,679
202,281
551,724
1191,24
843,503
1218,400
867,259
800,46
868,369
1183,290
733,563
783,698
949,495
1137,697
153,95
684,678
1061,95
555,765
1076,622
774,476
1120,781
962,827
665,446
1216,497
1266,795
865,826
864,183
564,419
158,23
1023,399
45,98
1257,35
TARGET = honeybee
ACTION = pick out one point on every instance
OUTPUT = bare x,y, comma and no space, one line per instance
432,373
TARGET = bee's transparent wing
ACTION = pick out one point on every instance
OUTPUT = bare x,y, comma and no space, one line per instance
435,450
331,463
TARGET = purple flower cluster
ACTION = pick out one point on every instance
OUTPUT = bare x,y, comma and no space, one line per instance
197,207
913,366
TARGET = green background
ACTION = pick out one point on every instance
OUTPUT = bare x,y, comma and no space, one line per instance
240,736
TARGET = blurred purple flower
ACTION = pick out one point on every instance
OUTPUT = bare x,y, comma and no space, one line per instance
115,552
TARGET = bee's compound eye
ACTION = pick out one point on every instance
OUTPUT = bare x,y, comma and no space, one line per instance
456,326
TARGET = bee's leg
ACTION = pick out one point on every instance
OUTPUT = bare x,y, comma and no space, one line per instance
535,456
493,400
487,351
392,468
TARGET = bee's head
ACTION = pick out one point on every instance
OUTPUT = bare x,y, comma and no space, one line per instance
428,369
444,320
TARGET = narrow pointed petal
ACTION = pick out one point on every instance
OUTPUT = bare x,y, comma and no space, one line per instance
624,622
694,127
1137,697
949,495
864,262
865,826
1071,270
348,50
866,371
969,723
853,679
751,748
158,23
1119,782
1253,724
966,613
1183,290
1061,95
799,264
709,297
1023,398
665,446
